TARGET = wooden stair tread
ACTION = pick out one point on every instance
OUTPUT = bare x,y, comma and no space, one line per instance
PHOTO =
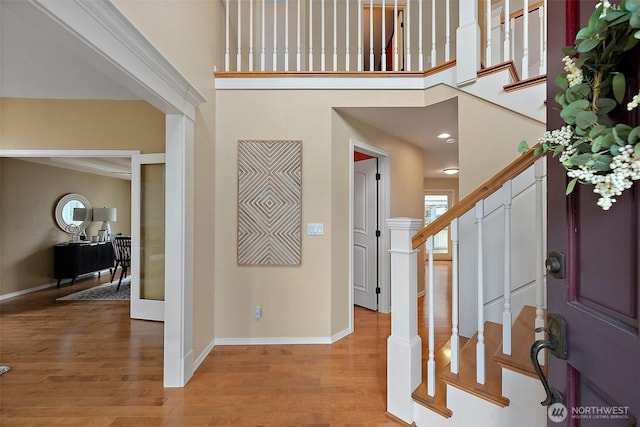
437,403
522,336
465,380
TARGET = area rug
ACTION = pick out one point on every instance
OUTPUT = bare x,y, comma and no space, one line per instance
106,291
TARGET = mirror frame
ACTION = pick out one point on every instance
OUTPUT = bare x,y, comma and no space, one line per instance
60,206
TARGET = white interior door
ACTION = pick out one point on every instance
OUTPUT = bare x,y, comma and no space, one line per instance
147,236
365,242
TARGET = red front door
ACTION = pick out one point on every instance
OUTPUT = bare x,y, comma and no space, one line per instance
599,296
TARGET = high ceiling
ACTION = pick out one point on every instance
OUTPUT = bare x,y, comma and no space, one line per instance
37,60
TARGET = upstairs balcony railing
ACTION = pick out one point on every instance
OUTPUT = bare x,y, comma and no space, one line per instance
381,35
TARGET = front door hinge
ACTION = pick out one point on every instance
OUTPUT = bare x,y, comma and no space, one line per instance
377,177
377,289
377,233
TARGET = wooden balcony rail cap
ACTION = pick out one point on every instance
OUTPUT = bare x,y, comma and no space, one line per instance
494,183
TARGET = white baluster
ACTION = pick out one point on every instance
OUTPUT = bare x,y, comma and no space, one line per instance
455,338
298,46
431,362
433,33
239,54
335,35
371,53
542,12
407,24
383,56
275,35
420,35
539,173
310,35
506,315
263,40
396,58
480,370
447,31
286,35
226,49
251,35
359,35
525,40
507,32
404,346
512,25
487,30
346,55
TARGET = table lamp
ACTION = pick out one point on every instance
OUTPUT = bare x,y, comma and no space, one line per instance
105,215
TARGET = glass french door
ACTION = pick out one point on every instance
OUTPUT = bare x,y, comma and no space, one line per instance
435,204
148,238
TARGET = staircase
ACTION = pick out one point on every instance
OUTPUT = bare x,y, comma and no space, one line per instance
487,379
503,401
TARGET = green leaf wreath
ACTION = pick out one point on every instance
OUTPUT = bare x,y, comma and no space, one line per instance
592,148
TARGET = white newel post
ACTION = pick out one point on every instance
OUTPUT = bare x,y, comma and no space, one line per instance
404,346
467,53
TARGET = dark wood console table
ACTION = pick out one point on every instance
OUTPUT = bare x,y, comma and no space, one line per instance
75,259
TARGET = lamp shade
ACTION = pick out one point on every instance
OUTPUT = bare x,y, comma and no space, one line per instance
105,214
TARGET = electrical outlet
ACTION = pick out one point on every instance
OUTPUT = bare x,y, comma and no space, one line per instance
258,312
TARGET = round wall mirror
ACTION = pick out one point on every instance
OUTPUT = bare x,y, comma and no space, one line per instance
73,209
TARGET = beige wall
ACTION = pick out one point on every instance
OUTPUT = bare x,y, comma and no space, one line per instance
309,300
29,193
488,140
312,300
442,184
80,125
190,35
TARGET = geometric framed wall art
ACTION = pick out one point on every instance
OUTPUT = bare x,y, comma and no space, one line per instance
269,202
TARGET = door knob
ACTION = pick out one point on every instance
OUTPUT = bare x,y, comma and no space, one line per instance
557,345
555,264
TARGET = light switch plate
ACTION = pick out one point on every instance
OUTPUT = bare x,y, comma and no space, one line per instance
314,229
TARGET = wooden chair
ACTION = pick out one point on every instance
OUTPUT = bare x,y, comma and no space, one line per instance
122,249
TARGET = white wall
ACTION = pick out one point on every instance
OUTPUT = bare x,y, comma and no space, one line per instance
523,261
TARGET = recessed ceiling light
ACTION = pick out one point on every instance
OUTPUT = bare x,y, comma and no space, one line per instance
451,171
451,140
444,135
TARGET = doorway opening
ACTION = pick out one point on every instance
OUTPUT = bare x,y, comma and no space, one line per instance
436,203
375,218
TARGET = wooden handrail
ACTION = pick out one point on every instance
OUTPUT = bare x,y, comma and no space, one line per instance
496,182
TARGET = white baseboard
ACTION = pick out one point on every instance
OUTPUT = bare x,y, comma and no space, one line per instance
203,356
282,340
28,291
341,334
46,286
272,341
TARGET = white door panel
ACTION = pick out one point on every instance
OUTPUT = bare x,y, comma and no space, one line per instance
365,265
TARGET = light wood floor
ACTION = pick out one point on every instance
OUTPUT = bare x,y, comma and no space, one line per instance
85,363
